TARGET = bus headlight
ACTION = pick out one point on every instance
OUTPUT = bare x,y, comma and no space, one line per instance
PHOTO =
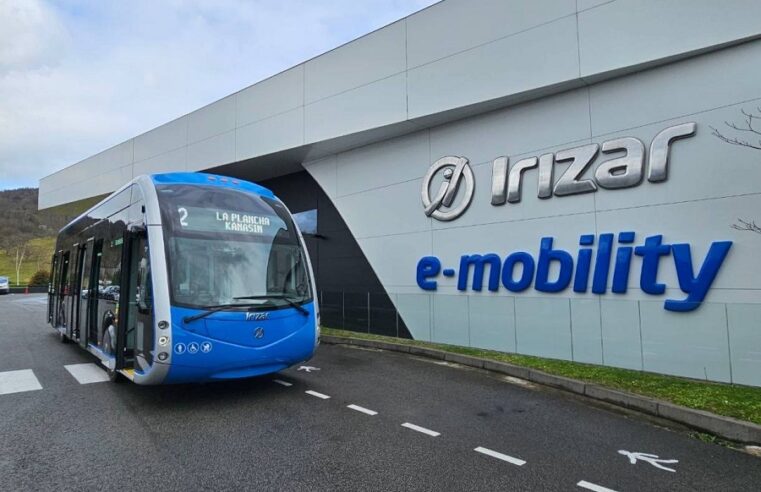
163,356
163,340
163,325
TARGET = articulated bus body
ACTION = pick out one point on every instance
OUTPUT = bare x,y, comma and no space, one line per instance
186,277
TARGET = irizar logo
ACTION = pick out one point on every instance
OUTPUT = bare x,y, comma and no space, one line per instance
456,169
622,171
257,316
579,273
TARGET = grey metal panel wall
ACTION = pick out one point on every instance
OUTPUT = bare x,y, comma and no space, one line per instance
456,57
376,189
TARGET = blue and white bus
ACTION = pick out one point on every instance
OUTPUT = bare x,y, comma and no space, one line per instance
186,277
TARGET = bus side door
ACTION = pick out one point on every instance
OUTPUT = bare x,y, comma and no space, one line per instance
85,291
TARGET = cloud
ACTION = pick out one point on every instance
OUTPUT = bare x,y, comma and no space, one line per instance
78,76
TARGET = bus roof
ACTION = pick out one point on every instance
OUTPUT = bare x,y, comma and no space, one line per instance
210,180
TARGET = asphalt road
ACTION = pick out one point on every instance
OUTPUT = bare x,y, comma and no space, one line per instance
262,435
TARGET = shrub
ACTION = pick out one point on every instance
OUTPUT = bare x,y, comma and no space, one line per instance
41,277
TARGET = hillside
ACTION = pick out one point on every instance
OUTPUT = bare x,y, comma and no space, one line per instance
24,227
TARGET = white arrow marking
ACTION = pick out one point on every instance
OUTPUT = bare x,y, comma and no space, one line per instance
308,368
653,459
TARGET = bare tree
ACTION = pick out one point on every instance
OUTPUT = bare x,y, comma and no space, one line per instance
751,128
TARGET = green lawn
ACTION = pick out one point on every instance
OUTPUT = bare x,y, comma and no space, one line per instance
740,402
39,252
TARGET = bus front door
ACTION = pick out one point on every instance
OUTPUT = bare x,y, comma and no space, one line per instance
137,337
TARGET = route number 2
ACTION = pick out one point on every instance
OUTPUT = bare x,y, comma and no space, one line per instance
183,216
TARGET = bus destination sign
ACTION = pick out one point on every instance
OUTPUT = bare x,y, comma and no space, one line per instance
211,220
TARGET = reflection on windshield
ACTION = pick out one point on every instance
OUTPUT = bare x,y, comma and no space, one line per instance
223,244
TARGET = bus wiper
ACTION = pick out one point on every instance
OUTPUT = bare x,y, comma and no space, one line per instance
214,309
287,299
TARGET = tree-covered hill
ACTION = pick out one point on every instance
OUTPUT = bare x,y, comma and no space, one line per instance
27,235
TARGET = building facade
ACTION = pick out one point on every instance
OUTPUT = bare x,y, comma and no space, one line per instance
568,179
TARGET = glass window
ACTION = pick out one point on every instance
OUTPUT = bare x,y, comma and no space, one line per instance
307,221
223,244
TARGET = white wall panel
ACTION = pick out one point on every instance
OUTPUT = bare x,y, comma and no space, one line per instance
628,32
213,151
169,136
447,28
384,211
745,342
529,60
173,161
396,257
492,322
621,337
376,104
280,132
693,345
587,333
393,161
212,120
416,310
543,326
670,91
324,172
277,94
370,58
450,320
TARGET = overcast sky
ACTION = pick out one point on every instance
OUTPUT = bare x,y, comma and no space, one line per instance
78,76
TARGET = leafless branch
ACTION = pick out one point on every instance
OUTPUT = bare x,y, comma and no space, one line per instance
745,225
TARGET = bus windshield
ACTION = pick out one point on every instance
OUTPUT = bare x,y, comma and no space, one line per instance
224,246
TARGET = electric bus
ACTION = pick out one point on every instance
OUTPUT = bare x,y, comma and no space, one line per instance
186,277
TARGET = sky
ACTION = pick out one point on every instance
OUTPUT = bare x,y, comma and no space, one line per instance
79,76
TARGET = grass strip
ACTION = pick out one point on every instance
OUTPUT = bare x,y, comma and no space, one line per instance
730,400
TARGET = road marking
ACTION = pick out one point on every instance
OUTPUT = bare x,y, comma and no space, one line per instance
87,373
500,456
308,369
420,429
318,395
591,486
18,381
653,459
362,409
282,383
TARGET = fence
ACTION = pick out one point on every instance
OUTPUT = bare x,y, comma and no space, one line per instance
364,312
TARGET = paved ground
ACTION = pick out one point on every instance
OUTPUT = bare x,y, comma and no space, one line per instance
260,434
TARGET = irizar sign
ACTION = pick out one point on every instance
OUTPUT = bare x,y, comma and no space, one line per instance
621,172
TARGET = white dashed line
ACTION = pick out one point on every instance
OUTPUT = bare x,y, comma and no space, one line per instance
282,383
596,488
318,395
362,409
18,381
500,456
420,429
87,373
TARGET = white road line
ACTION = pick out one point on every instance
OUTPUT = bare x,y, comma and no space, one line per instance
594,487
420,429
318,395
18,381
500,456
282,383
362,409
87,373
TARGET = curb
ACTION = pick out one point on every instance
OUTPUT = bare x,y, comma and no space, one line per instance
724,427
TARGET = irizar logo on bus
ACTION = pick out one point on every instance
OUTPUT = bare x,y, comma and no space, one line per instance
582,270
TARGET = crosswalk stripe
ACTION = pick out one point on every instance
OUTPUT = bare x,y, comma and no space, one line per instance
18,381
87,373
